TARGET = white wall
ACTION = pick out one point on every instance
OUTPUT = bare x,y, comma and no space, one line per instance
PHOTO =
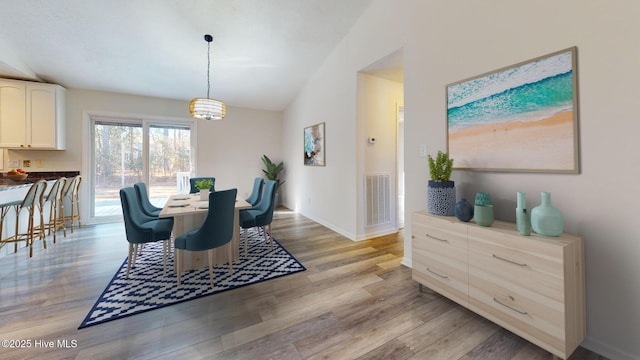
229,149
447,41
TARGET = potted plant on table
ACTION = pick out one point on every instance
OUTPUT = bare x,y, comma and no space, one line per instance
204,185
441,192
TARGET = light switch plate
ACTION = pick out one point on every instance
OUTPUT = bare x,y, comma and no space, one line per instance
14,164
423,150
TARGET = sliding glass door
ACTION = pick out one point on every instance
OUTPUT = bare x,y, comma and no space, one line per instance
169,155
127,151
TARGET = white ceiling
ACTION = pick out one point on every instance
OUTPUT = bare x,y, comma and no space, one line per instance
262,53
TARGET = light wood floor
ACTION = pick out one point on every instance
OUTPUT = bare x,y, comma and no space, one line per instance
355,301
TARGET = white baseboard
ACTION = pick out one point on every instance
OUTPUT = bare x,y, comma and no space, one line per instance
406,262
342,232
606,350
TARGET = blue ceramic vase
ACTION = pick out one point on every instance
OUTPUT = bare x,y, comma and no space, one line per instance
463,210
546,219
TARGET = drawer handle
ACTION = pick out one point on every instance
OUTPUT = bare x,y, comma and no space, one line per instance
437,274
437,238
509,261
510,307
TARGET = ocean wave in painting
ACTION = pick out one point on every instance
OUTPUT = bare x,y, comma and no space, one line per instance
528,92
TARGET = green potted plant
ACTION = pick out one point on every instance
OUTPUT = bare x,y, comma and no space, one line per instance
272,170
204,185
441,192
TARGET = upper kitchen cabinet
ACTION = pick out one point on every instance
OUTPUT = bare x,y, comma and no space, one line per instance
31,115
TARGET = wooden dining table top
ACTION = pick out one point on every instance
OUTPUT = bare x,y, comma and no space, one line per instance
186,204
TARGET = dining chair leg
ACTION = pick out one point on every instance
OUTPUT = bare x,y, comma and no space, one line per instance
164,256
175,260
270,237
129,259
246,242
230,257
135,253
211,253
264,232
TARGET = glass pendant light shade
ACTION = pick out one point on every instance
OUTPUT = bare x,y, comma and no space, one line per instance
207,109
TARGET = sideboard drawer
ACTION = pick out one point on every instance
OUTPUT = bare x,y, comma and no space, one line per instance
439,252
534,264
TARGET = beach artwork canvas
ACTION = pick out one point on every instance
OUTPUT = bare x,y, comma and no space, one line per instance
314,145
521,118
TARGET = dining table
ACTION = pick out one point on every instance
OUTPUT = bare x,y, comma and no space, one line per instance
189,212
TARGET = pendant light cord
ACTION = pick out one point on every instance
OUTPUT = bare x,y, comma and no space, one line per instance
208,67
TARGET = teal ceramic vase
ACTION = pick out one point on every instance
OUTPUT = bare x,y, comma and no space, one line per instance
483,214
523,221
483,198
546,219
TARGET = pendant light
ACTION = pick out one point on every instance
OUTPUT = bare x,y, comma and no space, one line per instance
208,109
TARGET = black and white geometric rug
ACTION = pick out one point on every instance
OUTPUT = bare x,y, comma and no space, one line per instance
148,288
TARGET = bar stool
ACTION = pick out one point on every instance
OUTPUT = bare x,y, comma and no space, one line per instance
4,210
32,202
70,193
53,202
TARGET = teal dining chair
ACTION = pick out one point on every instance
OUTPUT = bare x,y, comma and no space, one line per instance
216,231
141,228
143,198
256,193
261,215
192,183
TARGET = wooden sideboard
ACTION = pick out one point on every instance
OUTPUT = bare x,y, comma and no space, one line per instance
532,285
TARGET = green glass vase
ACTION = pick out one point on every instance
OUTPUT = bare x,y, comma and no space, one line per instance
546,219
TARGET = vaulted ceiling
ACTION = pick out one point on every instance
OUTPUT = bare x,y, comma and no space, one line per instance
262,53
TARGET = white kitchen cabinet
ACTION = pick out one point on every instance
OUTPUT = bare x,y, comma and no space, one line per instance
32,115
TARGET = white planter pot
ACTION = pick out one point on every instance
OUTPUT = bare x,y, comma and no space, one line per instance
204,195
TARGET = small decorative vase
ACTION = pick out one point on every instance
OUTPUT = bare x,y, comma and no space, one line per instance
463,210
483,198
204,194
523,221
483,215
441,198
546,219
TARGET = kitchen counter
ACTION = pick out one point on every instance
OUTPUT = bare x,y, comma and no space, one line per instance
8,184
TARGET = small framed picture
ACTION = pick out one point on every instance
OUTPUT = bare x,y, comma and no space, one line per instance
314,145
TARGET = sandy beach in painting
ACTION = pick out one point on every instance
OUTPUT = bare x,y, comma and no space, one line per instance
542,144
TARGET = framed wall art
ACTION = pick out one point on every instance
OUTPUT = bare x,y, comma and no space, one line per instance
314,145
521,118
